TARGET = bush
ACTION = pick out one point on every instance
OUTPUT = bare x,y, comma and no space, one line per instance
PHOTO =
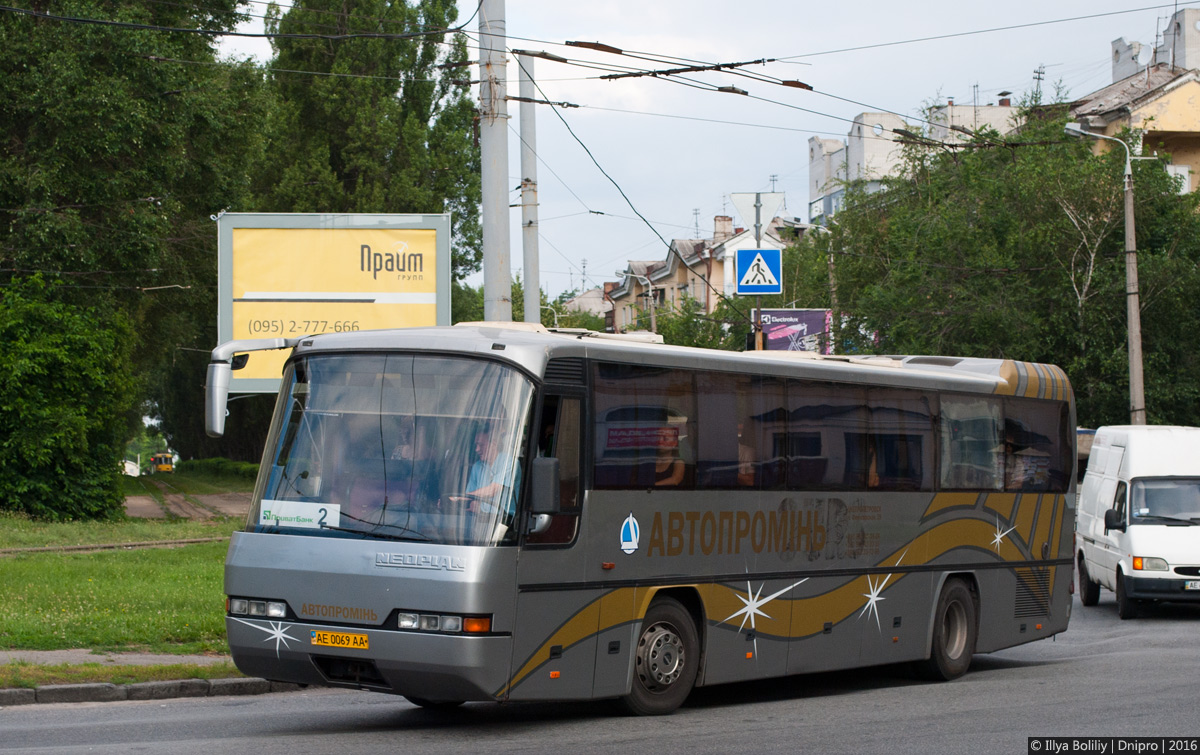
66,391
218,467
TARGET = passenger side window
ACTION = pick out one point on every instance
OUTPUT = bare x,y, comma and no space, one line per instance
559,437
644,427
1120,500
972,456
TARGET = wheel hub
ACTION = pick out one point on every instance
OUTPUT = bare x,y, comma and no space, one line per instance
660,656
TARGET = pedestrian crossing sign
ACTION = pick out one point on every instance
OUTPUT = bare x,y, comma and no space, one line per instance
759,271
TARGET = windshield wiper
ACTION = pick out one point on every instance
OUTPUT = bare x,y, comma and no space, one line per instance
376,533
1168,519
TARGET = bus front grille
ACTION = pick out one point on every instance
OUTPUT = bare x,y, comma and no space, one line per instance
350,671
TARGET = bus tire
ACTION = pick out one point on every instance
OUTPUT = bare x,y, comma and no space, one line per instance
666,659
1127,607
423,702
954,626
1089,589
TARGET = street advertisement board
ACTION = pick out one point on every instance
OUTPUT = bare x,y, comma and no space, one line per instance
796,329
292,275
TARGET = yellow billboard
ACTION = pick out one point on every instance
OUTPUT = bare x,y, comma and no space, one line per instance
312,274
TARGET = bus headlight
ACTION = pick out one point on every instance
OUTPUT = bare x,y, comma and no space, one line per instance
428,622
275,609
1149,563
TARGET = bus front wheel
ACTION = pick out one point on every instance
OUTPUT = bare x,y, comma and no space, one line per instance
666,659
953,633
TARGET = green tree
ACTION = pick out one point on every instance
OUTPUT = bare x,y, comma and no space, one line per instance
1011,248
120,144
66,388
389,129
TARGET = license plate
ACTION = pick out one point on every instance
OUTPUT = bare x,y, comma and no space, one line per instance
340,640
1192,584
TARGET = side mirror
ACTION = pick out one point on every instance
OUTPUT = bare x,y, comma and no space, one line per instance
216,397
1112,520
543,490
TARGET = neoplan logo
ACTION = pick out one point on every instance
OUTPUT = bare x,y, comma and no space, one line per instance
399,260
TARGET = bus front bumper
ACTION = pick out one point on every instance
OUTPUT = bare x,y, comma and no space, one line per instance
439,667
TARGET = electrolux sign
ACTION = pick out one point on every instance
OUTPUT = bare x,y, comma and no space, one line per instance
796,329
294,275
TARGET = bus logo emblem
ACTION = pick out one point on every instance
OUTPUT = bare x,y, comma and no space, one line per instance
629,534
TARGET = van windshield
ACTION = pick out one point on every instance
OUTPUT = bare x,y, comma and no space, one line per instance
1158,499
395,446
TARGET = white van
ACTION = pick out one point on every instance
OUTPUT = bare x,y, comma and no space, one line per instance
1138,523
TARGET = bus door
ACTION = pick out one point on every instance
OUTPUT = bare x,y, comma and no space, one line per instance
554,644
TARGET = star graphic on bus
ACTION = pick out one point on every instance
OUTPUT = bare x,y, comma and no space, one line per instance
873,594
752,604
276,632
999,535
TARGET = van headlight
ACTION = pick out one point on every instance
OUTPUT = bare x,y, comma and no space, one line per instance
1149,563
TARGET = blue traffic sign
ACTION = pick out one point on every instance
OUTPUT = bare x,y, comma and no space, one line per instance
759,271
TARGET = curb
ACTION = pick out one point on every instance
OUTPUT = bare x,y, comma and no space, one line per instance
108,693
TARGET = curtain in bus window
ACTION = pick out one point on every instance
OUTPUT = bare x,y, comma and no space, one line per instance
972,455
644,426
719,428
1037,445
827,427
900,446
735,433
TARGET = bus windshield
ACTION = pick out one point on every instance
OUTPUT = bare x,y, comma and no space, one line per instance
396,446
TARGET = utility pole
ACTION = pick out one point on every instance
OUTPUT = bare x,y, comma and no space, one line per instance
529,200
758,328
1133,309
493,147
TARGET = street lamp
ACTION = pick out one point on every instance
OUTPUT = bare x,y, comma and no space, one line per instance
555,311
650,288
1137,397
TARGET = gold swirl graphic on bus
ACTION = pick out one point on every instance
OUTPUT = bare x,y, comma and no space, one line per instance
797,618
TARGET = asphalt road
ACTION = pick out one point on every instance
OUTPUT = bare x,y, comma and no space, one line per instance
1103,677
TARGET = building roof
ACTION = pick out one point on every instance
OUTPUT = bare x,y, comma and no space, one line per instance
1121,96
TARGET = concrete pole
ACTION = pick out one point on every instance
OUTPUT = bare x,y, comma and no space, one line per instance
1137,395
493,146
529,200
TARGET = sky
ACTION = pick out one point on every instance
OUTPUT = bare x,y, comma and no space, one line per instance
677,151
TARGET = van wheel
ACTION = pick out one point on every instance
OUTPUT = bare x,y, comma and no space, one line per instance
1089,589
1127,607
953,633
666,659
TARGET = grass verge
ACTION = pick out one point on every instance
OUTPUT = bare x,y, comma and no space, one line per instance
17,531
162,600
31,675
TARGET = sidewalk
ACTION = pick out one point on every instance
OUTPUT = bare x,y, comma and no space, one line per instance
230,504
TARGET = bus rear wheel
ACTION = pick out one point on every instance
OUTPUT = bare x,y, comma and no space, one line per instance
954,629
666,659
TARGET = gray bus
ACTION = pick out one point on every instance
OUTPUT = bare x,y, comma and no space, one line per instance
501,512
